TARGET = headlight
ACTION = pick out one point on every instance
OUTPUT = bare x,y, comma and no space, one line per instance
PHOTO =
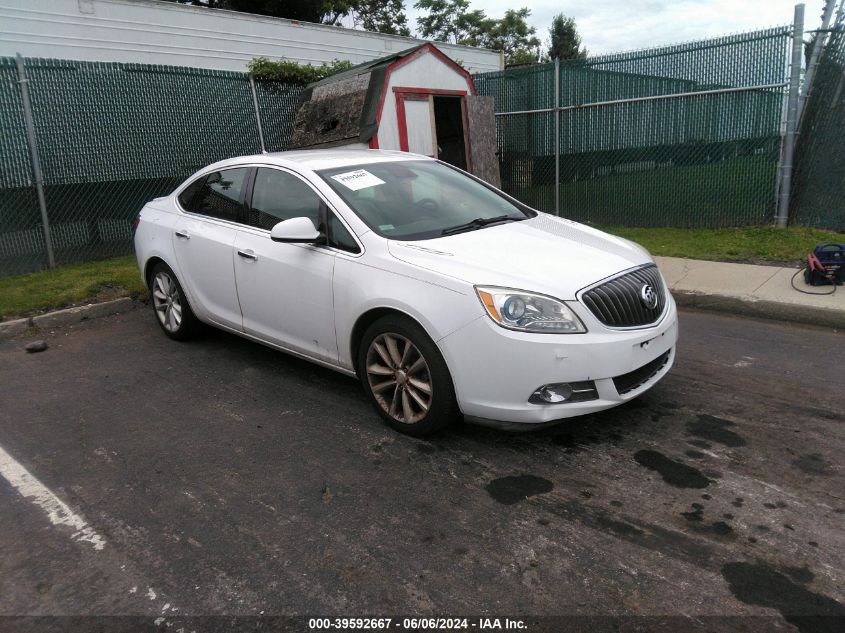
528,312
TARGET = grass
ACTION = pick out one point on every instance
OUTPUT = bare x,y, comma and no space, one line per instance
751,244
69,285
112,278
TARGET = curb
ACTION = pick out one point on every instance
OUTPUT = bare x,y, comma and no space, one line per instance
810,315
69,316
760,308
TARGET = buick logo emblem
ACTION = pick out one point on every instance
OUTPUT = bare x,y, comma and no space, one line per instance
648,297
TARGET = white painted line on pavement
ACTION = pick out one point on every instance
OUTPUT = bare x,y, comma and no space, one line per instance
56,510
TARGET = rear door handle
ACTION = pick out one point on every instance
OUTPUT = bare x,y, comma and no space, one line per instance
248,255
183,235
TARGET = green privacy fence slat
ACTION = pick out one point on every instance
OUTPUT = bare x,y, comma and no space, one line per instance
819,180
111,137
277,103
99,121
687,161
748,59
21,238
15,170
744,59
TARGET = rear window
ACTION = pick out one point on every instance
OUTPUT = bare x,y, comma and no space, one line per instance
186,198
217,195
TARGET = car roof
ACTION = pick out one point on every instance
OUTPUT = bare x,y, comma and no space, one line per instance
315,159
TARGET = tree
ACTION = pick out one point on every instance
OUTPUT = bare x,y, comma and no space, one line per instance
512,35
448,20
564,41
305,10
452,21
474,28
382,16
523,57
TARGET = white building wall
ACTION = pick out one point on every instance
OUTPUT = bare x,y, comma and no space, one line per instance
426,71
153,32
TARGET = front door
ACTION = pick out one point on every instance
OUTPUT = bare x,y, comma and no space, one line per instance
285,290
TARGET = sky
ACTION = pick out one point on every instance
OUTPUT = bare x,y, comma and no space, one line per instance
608,26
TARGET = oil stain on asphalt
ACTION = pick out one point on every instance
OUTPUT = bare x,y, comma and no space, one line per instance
674,473
515,488
715,429
761,585
813,464
696,517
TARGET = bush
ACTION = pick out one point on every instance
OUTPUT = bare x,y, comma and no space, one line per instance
294,72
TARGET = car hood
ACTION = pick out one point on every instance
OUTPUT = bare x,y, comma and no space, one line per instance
544,254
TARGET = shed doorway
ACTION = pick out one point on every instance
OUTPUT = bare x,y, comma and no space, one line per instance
449,130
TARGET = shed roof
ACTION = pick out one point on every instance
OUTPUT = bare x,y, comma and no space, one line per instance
367,67
343,108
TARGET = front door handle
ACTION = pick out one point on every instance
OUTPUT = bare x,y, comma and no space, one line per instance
248,255
183,235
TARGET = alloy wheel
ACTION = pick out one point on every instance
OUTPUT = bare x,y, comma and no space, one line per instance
399,378
167,302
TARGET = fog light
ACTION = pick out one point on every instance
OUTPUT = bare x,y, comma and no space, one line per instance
552,394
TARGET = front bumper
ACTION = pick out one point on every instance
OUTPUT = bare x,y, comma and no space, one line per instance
496,370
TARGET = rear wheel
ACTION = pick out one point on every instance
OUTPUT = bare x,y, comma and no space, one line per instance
170,304
406,377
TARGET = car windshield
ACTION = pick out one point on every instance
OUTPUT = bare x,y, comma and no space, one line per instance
416,200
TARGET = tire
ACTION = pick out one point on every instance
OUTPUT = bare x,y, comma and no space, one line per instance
170,304
402,400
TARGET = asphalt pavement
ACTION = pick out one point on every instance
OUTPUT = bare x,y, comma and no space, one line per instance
171,482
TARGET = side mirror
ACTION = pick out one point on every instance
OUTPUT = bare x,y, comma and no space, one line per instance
296,231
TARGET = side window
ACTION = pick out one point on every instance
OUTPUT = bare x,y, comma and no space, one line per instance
220,195
278,195
339,237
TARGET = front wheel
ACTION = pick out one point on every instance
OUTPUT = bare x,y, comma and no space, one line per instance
406,377
171,307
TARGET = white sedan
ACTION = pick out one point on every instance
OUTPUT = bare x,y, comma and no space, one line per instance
445,296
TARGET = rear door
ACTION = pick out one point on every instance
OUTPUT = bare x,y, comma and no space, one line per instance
285,290
204,239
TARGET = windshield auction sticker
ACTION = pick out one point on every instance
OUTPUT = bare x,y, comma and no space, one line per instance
358,179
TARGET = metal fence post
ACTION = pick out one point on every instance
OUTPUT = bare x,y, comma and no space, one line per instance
788,151
813,63
23,82
557,136
257,114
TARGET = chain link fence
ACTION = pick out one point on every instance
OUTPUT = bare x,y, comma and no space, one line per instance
110,138
684,135
819,180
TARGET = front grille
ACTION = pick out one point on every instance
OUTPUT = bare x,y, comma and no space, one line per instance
618,302
638,377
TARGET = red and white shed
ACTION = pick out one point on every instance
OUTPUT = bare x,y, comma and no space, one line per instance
418,100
